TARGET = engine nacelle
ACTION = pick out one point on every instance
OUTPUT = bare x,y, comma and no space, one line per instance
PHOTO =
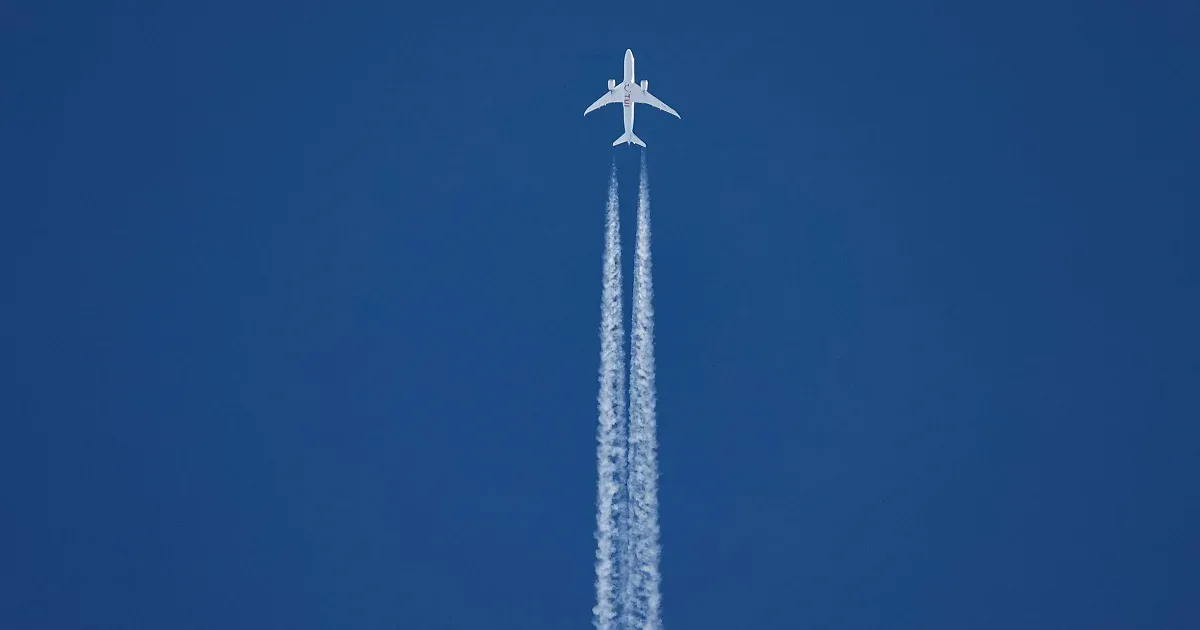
645,85
612,84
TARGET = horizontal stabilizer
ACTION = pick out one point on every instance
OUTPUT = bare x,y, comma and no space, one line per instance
628,137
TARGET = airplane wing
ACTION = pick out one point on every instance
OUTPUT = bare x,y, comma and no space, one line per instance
644,96
609,97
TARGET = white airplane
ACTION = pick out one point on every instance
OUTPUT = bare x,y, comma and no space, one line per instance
629,93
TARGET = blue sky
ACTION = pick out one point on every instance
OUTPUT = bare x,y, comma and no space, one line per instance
302,304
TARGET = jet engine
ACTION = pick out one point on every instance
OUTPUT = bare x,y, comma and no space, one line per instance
645,85
612,83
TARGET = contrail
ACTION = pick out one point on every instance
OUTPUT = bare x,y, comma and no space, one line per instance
643,442
610,434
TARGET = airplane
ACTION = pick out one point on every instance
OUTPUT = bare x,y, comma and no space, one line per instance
629,93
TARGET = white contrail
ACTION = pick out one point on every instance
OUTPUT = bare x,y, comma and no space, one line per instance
643,441
610,434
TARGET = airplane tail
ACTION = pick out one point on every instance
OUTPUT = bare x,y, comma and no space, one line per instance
629,137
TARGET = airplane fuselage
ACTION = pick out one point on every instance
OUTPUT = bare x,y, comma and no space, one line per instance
627,84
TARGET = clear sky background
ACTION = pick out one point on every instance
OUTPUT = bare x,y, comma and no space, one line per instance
300,308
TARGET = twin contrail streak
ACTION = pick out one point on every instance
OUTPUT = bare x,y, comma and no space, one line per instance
610,435
643,439
627,536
